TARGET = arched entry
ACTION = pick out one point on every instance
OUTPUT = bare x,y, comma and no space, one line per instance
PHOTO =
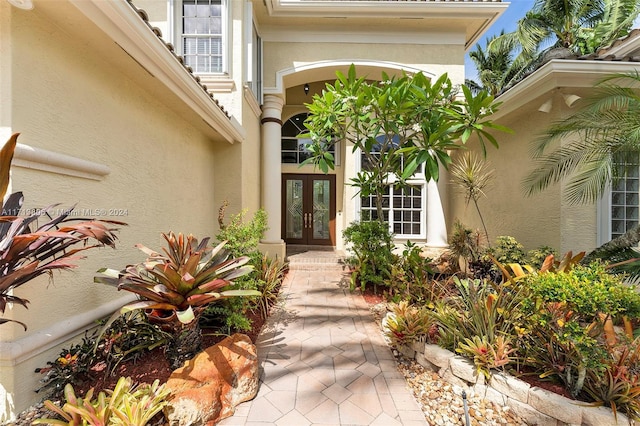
308,200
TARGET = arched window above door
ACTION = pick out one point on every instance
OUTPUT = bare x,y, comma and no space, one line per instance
294,149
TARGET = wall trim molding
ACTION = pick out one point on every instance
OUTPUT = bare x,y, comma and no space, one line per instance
18,351
29,157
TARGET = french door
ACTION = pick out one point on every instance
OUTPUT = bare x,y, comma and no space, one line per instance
308,209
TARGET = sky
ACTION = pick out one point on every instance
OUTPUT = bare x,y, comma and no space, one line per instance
507,21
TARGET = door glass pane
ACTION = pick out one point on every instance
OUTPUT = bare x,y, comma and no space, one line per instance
293,213
321,200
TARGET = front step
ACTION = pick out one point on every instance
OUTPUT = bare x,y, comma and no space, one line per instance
317,261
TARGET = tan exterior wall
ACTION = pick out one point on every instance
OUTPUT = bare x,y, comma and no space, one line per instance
436,59
164,175
541,219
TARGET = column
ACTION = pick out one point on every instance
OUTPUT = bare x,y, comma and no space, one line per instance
436,223
272,243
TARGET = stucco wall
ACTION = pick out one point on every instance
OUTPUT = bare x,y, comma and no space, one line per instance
436,59
163,174
541,219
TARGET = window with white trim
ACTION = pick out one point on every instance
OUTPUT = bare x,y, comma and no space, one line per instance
403,206
254,54
203,39
295,149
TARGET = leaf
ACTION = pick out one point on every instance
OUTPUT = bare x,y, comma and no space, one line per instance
6,156
186,316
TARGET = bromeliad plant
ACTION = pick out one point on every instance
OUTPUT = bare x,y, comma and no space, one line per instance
28,250
127,404
176,287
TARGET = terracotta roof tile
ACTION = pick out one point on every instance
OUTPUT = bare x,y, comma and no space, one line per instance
617,42
145,17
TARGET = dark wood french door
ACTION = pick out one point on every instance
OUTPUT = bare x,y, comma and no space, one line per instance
309,209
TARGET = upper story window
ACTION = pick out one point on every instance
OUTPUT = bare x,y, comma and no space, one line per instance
254,54
203,35
294,149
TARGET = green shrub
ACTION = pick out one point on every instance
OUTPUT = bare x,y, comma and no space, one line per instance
507,250
412,277
569,312
243,236
537,256
372,245
71,366
587,290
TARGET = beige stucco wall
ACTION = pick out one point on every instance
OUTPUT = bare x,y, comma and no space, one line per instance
164,176
433,58
541,219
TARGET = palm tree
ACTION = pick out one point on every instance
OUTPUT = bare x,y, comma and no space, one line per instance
580,26
601,135
499,65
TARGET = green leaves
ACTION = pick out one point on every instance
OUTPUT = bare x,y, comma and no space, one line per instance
403,121
181,282
599,136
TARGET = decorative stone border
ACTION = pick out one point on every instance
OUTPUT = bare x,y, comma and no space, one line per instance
534,405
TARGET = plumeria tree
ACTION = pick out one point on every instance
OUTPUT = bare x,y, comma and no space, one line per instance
399,124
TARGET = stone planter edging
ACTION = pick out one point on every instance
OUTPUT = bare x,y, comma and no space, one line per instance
534,405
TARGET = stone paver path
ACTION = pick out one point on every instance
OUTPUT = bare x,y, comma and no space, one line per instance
324,362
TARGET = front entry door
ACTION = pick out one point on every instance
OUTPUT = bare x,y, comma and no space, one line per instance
309,209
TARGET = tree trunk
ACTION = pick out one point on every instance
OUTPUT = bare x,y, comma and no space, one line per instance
624,241
184,344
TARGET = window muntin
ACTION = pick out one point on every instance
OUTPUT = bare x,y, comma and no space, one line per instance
625,197
294,149
203,27
403,206
365,163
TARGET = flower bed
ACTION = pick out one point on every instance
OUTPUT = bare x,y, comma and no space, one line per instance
535,405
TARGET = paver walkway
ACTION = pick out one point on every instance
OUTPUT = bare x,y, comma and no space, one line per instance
324,362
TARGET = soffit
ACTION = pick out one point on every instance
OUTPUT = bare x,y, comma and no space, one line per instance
471,18
566,76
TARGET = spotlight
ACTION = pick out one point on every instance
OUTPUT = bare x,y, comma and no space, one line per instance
546,107
570,99
306,88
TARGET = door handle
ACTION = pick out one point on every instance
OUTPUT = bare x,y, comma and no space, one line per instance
307,220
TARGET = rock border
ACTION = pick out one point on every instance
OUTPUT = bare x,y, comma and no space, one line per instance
534,405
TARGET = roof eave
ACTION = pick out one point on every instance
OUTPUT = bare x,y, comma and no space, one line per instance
125,27
556,74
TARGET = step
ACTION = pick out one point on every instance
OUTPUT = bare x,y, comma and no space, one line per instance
317,261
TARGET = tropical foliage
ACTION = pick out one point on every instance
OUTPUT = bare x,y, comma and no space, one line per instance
372,246
176,287
29,250
601,136
499,65
551,28
472,175
398,124
127,405
581,26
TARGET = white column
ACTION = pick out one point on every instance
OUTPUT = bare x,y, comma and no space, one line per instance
436,223
271,174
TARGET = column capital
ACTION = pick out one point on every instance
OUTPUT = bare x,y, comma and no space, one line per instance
272,107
